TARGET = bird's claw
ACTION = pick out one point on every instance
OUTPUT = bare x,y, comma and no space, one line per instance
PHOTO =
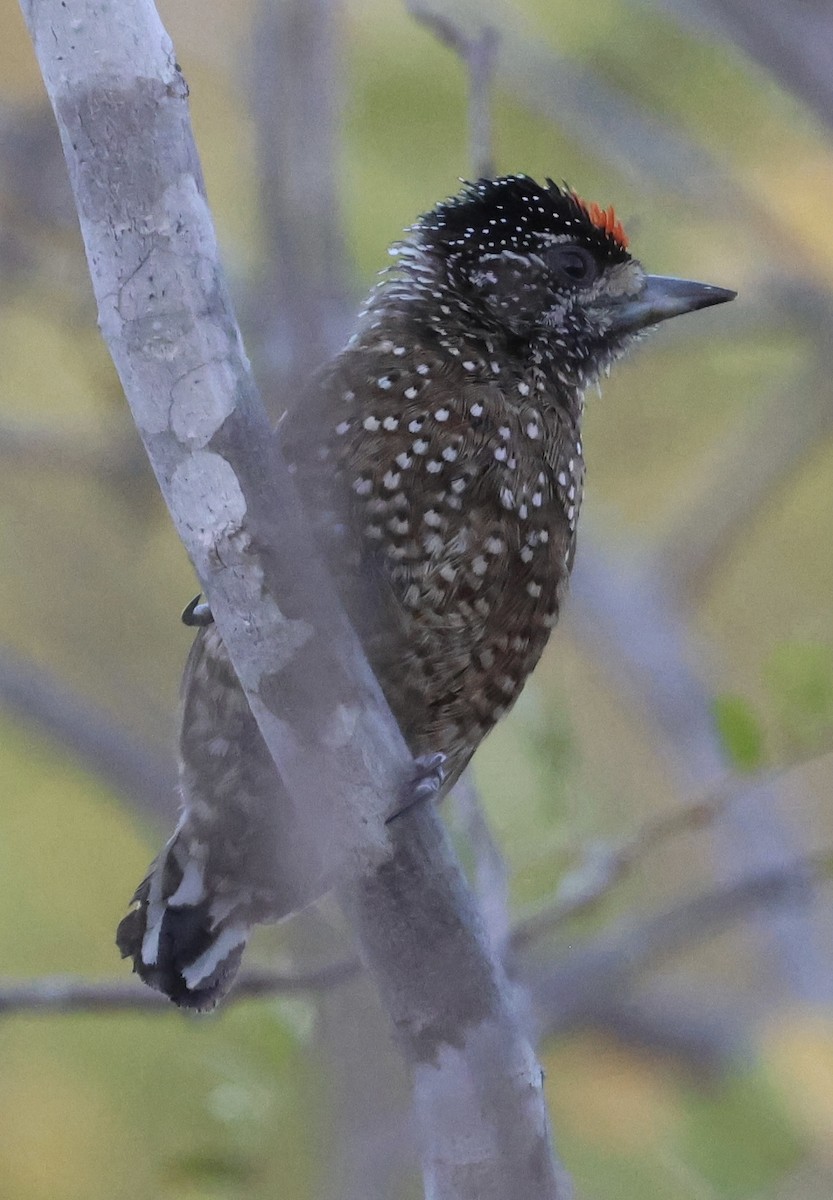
195,614
425,784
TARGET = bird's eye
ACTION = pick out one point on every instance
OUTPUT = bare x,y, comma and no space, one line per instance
573,264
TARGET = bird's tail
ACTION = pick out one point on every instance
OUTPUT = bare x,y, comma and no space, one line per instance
239,856
183,939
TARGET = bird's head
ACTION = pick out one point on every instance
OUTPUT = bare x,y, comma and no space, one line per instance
541,264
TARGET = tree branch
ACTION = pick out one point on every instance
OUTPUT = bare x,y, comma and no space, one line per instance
144,773
569,988
478,52
65,994
489,871
587,987
757,460
624,618
794,42
603,865
28,444
164,310
302,307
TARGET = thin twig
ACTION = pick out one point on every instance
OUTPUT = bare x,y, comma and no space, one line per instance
145,774
760,458
303,300
748,471
491,876
605,960
568,987
478,52
624,620
605,864
794,42
702,1032
65,994
24,445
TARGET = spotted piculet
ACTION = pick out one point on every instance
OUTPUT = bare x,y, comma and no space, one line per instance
440,459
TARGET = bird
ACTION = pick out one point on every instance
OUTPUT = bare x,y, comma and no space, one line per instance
440,461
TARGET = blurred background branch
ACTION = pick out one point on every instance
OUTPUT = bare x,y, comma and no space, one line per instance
478,52
144,775
302,302
795,44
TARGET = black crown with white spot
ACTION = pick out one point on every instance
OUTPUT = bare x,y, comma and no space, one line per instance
517,214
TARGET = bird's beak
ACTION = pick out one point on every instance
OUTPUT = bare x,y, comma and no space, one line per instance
662,297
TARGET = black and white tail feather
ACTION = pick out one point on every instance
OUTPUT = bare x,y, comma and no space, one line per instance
228,865
183,941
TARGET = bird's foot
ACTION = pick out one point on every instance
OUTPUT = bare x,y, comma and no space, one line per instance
425,784
195,614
